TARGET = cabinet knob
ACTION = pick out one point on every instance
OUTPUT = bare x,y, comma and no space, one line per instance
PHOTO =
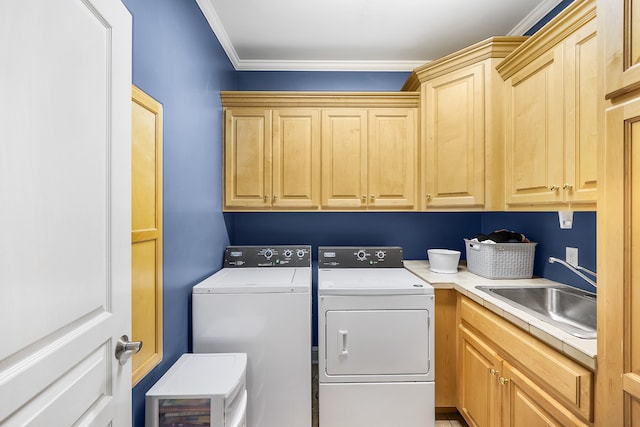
364,198
554,188
275,197
567,187
428,196
493,372
503,381
266,197
372,197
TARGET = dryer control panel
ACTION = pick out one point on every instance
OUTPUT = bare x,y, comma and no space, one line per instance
267,256
360,257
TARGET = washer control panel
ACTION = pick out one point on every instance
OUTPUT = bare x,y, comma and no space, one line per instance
360,257
267,256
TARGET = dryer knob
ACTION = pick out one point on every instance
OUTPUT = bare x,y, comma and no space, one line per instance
381,254
288,253
361,255
300,253
268,253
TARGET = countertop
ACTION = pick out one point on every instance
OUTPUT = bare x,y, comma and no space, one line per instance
583,351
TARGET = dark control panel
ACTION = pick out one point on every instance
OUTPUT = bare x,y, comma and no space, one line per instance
360,257
267,256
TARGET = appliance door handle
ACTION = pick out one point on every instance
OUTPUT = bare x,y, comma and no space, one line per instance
343,335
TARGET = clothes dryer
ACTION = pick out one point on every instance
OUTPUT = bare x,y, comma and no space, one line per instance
375,340
259,303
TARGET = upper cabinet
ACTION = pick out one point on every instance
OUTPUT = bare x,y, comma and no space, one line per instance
552,101
319,150
462,99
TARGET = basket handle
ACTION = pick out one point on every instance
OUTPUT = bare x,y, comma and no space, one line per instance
475,246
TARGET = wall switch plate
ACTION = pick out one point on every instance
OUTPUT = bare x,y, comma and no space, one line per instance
572,256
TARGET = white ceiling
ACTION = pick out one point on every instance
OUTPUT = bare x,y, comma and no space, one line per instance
363,35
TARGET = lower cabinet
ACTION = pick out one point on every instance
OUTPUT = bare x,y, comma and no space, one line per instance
506,377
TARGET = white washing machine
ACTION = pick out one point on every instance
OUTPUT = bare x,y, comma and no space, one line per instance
259,303
375,340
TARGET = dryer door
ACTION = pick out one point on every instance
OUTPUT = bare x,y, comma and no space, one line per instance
376,344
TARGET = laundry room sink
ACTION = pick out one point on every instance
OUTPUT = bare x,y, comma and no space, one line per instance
570,309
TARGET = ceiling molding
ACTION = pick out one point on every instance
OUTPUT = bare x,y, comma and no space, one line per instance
534,17
336,65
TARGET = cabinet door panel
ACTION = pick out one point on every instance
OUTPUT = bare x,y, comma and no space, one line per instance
581,114
478,367
621,22
534,161
248,158
344,159
392,158
454,129
296,158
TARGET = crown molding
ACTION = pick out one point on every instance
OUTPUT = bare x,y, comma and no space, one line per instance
339,65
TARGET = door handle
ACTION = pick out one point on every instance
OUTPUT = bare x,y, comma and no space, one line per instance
125,349
342,342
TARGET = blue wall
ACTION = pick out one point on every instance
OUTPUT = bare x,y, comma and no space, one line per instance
178,61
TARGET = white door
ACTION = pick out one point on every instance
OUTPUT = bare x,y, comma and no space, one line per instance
65,128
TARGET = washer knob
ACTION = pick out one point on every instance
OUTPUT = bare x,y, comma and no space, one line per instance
268,253
361,255
300,253
287,253
381,254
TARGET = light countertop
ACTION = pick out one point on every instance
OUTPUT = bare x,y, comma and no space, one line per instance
583,351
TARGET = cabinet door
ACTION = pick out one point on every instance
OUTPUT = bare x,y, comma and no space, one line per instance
478,368
620,21
344,159
296,159
581,115
454,139
392,160
525,404
445,348
619,265
534,145
247,145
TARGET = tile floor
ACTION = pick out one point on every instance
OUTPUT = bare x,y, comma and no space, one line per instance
442,420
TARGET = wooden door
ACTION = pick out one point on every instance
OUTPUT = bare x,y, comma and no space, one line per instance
534,145
344,159
392,158
65,191
454,139
247,145
619,266
525,404
478,369
146,231
582,102
296,159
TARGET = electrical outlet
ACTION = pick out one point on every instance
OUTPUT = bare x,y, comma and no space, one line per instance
572,256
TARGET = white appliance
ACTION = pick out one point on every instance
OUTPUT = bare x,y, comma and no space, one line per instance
259,303
200,390
375,340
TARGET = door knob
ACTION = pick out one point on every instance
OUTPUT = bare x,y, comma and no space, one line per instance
125,349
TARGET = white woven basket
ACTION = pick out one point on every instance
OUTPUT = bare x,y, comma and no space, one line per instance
500,260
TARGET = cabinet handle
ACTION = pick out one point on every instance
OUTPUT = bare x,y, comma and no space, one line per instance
364,198
503,381
567,187
372,197
554,188
493,372
266,197
428,196
275,197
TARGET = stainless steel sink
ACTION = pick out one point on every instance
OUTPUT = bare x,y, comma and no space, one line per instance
570,309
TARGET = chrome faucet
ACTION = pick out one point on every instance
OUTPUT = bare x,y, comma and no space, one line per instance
576,270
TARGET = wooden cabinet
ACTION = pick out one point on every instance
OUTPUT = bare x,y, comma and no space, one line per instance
618,224
272,158
509,378
369,159
462,127
551,114
329,151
